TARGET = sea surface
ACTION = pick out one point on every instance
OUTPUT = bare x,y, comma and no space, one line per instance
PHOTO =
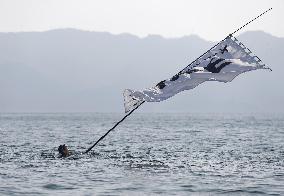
148,154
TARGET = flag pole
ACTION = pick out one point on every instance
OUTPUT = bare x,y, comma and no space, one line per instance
102,137
251,21
113,127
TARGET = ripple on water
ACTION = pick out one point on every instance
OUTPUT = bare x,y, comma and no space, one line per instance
57,187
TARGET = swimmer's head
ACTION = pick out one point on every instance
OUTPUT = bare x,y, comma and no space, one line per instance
63,150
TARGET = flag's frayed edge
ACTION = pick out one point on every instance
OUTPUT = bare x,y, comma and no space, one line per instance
130,101
250,53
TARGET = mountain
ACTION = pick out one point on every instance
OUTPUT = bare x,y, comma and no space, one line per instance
69,70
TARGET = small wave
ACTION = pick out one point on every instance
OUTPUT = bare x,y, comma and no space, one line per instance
57,187
244,191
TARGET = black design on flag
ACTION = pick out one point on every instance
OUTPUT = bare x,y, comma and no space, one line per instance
161,84
224,49
211,67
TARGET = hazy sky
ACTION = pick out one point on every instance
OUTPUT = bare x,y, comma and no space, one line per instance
211,19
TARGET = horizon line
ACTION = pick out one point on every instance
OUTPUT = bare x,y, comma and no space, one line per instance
131,34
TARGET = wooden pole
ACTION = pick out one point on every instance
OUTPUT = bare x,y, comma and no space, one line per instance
113,127
251,21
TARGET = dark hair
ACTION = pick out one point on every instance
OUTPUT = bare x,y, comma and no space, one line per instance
61,149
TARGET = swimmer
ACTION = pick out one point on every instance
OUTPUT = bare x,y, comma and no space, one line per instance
63,151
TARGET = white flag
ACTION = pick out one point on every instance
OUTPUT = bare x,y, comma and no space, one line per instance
222,63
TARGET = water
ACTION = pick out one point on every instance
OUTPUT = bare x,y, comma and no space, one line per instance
148,154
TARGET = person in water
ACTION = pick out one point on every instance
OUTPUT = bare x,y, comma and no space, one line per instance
63,151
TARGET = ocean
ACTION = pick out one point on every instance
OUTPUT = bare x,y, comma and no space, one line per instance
148,154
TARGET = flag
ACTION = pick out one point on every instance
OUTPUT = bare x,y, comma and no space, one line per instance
222,63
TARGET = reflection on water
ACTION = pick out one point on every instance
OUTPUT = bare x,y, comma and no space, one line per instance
148,154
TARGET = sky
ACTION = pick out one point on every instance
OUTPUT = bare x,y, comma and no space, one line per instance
210,19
